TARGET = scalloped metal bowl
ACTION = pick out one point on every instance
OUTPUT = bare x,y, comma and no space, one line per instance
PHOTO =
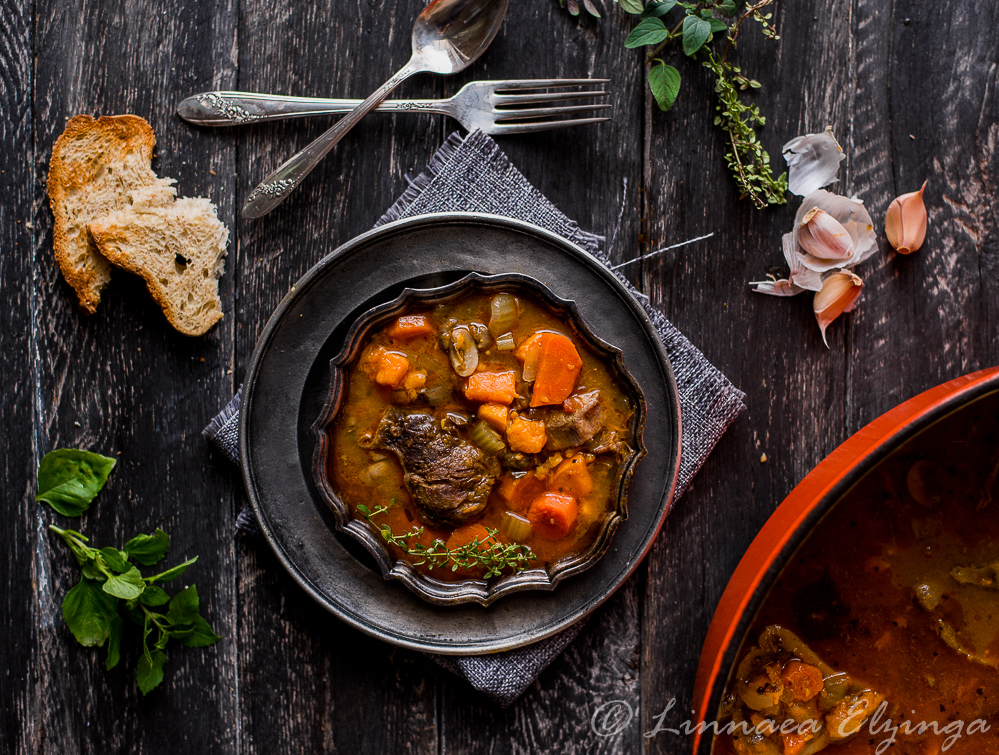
473,590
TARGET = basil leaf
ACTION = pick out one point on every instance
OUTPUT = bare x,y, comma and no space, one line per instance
115,559
88,612
149,670
69,479
631,6
125,586
183,606
114,642
153,596
172,573
659,9
650,31
695,33
148,549
727,7
664,81
198,636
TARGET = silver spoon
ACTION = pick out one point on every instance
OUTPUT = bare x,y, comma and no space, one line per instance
448,36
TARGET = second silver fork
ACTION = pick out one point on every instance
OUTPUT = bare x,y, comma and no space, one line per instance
495,107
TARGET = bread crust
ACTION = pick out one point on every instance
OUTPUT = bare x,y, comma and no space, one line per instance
65,175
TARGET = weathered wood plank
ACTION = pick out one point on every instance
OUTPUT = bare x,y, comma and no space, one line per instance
925,110
336,689
124,383
769,348
16,402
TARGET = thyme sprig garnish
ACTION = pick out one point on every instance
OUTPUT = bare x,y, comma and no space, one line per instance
494,556
702,28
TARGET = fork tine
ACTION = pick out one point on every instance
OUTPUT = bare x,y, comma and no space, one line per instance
527,128
542,83
538,112
526,99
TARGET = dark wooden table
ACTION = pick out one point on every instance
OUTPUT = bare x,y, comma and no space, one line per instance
911,91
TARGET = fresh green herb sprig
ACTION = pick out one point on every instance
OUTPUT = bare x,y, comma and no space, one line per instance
495,556
69,479
700,27
111,585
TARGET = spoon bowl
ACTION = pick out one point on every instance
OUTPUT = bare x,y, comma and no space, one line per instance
449,35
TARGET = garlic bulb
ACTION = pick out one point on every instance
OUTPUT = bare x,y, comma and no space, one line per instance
839,294
851,215
812,162
905,222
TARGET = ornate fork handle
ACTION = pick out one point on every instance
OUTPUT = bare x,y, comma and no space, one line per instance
223,108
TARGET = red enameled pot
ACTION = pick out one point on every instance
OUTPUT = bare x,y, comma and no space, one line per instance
794,519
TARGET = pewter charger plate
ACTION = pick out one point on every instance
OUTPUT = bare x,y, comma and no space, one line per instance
285,389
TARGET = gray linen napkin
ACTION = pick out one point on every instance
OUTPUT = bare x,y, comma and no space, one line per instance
472,174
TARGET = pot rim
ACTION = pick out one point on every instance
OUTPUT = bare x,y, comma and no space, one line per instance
794,519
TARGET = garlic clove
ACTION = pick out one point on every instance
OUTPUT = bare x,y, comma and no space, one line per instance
839,294
822,236
905,222
812,161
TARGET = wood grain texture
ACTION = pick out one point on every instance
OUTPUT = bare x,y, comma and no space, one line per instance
18,461
910,89
123,383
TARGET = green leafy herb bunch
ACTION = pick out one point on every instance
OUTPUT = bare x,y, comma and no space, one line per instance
112,589
709,30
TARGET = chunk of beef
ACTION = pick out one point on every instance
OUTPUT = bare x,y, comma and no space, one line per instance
448,478
575,427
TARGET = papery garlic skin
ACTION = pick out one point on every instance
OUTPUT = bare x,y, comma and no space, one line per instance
839,294
905,222
812,161
801,279
855,219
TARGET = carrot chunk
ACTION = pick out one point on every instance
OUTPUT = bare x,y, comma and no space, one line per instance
525,435
558,368
804,680
520,491
529,347
553,515
572,477
466,534
492,387
388,368
495,415
410,326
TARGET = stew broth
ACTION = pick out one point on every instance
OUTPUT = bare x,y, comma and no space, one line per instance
897,590
368,465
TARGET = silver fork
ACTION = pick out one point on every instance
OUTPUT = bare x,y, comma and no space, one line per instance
495,107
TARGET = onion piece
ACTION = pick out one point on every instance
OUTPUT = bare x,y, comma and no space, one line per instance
463,351
502,313
515,526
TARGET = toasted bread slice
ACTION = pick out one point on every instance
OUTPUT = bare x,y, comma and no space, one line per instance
179,250
94,166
